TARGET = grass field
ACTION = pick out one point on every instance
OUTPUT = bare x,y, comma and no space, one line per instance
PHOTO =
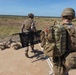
12,24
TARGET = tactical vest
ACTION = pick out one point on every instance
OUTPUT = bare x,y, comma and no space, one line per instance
55,41
71,37
30,25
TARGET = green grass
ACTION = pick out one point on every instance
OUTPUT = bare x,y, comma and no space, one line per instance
6,31
11,24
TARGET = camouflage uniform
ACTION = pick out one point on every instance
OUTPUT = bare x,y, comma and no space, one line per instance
29,26
62,64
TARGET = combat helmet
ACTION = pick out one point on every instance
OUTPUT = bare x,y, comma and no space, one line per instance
68,12
30,15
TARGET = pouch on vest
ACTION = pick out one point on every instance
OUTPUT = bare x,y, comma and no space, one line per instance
71,37
42,38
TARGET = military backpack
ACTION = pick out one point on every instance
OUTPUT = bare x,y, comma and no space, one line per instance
55,44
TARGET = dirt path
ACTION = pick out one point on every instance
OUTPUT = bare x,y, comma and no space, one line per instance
14,62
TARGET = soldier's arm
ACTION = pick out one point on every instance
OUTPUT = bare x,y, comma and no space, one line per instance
22,27
34,27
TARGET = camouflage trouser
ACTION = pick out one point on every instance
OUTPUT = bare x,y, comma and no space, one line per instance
63,64
29,40
70,61
58,67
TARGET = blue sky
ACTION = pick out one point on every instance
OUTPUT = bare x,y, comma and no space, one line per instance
37,7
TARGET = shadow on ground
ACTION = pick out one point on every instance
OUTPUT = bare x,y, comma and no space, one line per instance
39,55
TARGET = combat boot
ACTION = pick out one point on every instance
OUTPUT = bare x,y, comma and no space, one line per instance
32,47
26,53
33,50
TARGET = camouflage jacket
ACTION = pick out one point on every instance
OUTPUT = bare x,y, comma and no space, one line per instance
28,25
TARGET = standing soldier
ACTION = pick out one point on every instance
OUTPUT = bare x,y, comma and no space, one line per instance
29,26
61,43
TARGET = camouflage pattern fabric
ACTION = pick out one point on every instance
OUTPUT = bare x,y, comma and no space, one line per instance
71,31
30,38
55,41
68,61
71,60
42,38
29,25
48,49
60,40
28,30
58,68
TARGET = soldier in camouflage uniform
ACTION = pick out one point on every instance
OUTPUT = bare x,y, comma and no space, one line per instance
63,64
66,61
29,26
68,15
